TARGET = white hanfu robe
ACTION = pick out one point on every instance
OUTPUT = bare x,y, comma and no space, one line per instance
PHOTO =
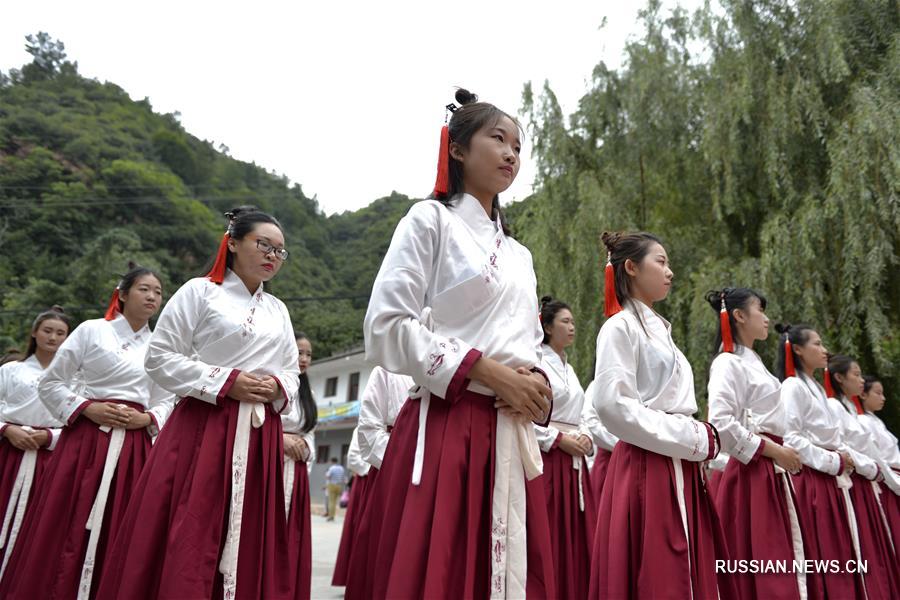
206,335
20,405
454,287
381,401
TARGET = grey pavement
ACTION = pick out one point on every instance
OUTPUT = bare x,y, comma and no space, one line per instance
326,536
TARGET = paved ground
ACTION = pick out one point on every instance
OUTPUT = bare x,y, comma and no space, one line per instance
326,536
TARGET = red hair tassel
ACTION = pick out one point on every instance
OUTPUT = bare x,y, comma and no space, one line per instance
725,322
217,273
857,404
442,183
611,301
113,308
789,370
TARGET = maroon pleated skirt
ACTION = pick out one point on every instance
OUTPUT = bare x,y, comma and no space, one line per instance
174,529
882,576
826,535
891,503
433,540
362,485
299,533
598,476
571,528
751,502
640,550
10,459
713,482
52,544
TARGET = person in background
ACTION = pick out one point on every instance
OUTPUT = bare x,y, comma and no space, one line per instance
335,480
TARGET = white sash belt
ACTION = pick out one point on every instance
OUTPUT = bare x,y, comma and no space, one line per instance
796,533
289,471
249,415
95,519
577,461
18,502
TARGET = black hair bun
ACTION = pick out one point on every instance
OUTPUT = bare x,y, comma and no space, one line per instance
714,298
464,96
132,265
610,239
58,308
236,212
782,328
546,300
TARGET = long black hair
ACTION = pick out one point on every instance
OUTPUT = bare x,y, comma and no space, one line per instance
54,312
549,309
735,298
839,364
626,246
469,119
304,395
798,335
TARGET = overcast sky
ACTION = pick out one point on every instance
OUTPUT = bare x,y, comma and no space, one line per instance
345,98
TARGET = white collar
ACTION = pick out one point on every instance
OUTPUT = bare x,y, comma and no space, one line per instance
234,283
470,210
123,328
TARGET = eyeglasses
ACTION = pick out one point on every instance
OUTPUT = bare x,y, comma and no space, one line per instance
267,248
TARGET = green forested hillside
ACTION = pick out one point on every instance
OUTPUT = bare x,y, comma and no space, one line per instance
90,179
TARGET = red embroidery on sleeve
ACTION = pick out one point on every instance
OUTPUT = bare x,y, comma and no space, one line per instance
436,361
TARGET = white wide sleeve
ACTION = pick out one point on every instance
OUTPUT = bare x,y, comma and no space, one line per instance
289,375
160,406
601,437
796,403
858,444
4,393
310,438
53,390
619,405
395,337
727,385
355,461
171,361
546,437
373,417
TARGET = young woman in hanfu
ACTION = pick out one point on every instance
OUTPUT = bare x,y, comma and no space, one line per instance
658,535
459,498
755,499
379,405
28,431
886,450
845,383
565,442
207,519
97,386
299,455
814,429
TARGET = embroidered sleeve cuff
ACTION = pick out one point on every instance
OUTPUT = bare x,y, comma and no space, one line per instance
461,377
226,387
558,439
284,400
840,463
713,439
3,427
54,437
550,411
153,427
77,412
759,450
